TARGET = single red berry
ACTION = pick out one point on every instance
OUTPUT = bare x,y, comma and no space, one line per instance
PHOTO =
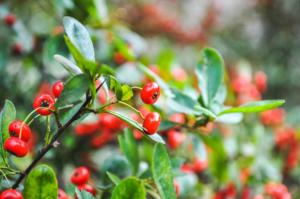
16,146
151,122
85,129
150,93
20,130
11,194
175,138
17,49
80,176
199,165
109,121
57,88
62,194
177,188
44,104
261,81
10,19
119,58
87,188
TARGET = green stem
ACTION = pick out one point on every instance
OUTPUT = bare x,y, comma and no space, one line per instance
132,108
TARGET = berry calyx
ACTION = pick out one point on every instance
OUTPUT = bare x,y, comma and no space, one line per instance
87,188
11,194
57,88
16,146
151,122
20,130
150,93
10,19
44,104
80,176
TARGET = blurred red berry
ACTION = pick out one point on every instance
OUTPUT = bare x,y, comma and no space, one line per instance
261,81
199,165
57,88
80,176
273,117
17,49
87,188
11,194
16,146
110,121
177,118
85,129
62,194
10,19
179,74
150,93
119,58
44,104
177,188
151,122
20,130
175,138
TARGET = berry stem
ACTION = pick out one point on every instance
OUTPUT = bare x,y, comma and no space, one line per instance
53,142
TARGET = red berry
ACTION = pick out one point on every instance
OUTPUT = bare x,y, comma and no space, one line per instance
177,188
16,146
177,118
109,121
11,194
57,88
86,129
150,93
119,58
175,139
10,19
88,188
44,104
17,49
80,176
261,81
16,131
151,122
62,194
199,165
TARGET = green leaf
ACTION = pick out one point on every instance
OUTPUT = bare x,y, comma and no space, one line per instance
83,194
210,73
75,88
66,115
115,179
129,148
80,37
162,172
68,65
41,183
127,92
206,112
114,85
83,63
155,137
253,107
183,103
7,115
130,188
122,47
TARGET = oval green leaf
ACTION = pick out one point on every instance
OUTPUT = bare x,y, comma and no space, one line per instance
253,107
162,172
75,88
41,183
130,188
210,73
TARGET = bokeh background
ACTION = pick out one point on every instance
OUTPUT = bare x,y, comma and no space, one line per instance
251,35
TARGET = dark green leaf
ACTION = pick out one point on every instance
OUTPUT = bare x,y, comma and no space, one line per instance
114,85
67,114
129,148
7,115
253,107
183,103
80,37
73,90
115,179
162,172
130,188
210,72
41,183
155,137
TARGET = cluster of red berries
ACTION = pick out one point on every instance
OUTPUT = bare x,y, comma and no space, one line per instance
44,103
80,178
247,89
273,118
277,191
149,95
